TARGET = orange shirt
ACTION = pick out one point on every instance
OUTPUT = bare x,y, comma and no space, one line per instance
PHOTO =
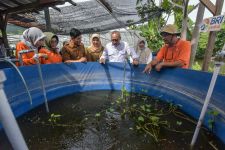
52,57
181,51
26,57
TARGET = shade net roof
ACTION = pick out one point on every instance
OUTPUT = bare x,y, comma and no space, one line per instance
92,16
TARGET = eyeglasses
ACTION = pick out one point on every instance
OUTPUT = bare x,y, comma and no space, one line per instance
163,34
115,40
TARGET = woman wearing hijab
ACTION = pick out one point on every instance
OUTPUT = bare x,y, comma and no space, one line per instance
94,52
144,53
33,38
51,42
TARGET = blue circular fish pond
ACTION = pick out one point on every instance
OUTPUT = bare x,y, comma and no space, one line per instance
187,88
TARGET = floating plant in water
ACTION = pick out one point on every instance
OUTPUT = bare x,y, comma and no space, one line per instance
148,120
211,122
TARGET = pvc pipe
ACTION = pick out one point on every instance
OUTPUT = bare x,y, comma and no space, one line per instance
42,81
20,74
8,120
206,103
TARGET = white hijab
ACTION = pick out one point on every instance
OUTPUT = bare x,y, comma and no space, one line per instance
32,35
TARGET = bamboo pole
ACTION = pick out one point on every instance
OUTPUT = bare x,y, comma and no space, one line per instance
195,33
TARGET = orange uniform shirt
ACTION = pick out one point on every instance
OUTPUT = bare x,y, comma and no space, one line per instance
52,57
26,57
181,51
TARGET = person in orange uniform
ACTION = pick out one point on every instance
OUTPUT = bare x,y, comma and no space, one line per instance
51,42
175,52
33,38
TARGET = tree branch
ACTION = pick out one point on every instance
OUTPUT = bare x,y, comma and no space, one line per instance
176,5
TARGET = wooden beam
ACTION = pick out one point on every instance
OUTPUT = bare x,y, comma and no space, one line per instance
35,5
71,2
4,5
47,19
56,8
106,5
208,4
16,2
196,34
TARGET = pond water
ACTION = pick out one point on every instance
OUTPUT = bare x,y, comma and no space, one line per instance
100,120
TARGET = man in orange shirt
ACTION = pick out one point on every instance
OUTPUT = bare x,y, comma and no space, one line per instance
175,52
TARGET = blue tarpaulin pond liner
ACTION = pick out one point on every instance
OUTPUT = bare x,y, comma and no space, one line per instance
187,88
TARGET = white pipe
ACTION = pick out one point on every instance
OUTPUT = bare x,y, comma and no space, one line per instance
41,79
206,103
20,74
8,120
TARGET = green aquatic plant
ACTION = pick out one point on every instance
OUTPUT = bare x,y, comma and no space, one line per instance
54,118
212,119
148,118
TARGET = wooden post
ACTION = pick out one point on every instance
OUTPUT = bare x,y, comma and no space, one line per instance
195,33
185,20
47,18
211,39
3,25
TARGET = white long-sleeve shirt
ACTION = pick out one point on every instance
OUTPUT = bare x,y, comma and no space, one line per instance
118,53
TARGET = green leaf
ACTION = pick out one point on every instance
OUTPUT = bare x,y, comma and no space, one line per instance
134,105
148,110
57,116
97,115
111,110
143,107
215,113
154,118
138,128
179,123
140,118
148,105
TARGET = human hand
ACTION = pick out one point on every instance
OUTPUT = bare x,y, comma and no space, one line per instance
102,61
83,59
43,55
135,62
159,66
148,68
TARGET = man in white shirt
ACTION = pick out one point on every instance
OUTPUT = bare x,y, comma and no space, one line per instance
118,51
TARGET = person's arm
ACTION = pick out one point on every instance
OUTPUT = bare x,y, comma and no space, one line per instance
161,65
149,66
82,59
155,61
65,54
81,54
104,56
133,54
